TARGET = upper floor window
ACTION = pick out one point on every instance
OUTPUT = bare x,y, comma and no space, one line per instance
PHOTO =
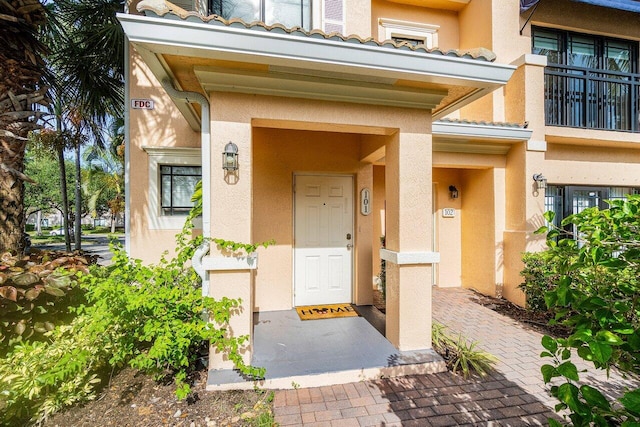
415,33
585,51
590,81
290,13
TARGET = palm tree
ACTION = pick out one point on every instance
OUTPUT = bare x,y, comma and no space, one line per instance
21,89
87,57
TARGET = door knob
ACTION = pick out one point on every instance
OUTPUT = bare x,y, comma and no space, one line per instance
349,245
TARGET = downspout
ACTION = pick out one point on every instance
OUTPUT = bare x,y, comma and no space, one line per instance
205,146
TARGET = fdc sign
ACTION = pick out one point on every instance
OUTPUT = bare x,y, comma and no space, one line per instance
142,104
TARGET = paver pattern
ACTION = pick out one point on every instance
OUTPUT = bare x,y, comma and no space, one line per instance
516,347
513,395
419,400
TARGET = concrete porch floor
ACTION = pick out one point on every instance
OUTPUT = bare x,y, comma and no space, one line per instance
314,353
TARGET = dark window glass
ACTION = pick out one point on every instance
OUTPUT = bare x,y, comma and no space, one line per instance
177,184
548,44
569,200
290,13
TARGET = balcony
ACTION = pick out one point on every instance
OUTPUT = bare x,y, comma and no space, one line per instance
592,99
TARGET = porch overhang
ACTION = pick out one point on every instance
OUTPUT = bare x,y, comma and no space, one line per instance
235,58
481,138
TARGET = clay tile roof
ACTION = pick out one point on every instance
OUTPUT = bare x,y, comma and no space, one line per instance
484,123
164,8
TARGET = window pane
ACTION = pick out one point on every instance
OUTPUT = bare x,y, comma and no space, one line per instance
247,10
290,13
166,191
618,57
548,44
582,52
187,170
183,187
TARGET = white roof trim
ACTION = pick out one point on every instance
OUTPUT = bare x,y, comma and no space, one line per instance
173,36
480,131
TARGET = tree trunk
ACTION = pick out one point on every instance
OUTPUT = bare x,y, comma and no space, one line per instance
78,225
21,69
12,218
65,200
39,223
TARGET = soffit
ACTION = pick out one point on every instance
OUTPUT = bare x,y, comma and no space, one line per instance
436,4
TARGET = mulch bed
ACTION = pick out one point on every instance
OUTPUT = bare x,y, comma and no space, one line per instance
536,321
135,399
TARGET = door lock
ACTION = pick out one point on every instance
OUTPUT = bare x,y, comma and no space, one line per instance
348,236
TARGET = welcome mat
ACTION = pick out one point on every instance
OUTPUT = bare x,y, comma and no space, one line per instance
326,311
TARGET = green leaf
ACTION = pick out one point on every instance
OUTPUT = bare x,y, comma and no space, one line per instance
553,422
601,352
594,397
25,279
568,393
54,291
548,372
549,343
568,370
608,338
585,353
631,401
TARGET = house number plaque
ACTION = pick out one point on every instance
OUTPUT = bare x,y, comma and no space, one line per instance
365,201
448,212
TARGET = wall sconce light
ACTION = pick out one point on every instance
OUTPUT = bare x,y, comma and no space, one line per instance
540,180
230,157
453,192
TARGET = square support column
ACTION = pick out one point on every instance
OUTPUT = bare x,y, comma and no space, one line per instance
231,274
408,239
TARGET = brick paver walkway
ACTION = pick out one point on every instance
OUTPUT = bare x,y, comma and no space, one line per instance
513,395
517,348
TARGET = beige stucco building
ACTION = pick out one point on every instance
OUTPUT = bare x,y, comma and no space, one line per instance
421,120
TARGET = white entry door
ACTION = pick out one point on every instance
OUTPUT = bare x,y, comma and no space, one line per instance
323,239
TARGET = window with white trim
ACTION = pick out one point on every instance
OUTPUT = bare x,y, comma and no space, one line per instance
177,184
415,33
173,173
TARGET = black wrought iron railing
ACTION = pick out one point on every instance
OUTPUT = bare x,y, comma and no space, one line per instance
590,98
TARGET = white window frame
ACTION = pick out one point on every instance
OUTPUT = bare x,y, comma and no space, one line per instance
390,28
166,156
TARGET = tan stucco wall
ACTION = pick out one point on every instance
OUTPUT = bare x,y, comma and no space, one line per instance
379,216
255,124
478,231
449,230
446,19
278,155
163,126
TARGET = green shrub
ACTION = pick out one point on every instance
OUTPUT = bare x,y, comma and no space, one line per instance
540,275
460,354
149,317
598,297
38,379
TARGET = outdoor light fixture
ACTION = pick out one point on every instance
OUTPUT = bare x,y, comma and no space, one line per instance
453,192
540,180
230,157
